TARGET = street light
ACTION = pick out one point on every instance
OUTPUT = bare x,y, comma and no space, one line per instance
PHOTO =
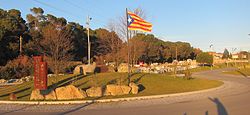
233,50
89,44
211,48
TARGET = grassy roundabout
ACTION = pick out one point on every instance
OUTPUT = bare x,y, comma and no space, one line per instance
151,84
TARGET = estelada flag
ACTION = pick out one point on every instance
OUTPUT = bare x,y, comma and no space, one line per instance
137,23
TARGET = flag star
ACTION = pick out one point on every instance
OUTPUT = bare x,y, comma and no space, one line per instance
129,20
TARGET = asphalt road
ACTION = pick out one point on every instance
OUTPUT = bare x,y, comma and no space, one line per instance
233,98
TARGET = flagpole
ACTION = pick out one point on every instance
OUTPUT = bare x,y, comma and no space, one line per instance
128,47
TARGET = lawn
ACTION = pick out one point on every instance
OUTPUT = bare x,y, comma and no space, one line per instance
150,84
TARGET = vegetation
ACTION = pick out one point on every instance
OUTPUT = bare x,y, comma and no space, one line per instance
243,69
150,84
204,58
62,42
226,54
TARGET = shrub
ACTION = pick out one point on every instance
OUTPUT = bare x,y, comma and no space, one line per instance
17,68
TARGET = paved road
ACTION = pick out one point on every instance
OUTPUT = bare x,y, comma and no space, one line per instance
233,98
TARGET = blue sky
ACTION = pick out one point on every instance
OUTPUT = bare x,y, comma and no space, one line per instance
223,23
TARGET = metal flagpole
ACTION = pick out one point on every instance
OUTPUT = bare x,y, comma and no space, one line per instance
128,47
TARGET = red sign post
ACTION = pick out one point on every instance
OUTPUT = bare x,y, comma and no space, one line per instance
40,73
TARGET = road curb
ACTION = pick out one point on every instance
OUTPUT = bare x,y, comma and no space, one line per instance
109,100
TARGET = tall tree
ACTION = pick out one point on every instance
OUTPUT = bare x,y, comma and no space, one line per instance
12,26
204,58
225,54
57,45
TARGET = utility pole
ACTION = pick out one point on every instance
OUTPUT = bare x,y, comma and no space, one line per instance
176,55
89,44
20,45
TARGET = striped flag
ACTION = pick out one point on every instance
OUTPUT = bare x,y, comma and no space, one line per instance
137,23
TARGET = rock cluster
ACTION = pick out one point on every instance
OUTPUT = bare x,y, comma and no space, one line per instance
71,92
62,93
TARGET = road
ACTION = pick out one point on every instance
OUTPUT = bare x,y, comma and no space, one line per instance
233,98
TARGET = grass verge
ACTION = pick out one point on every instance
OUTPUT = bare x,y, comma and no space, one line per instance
150,84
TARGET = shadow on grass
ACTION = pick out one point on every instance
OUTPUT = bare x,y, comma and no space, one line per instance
139,78
243,74
15,92
61,83
141,88
23,96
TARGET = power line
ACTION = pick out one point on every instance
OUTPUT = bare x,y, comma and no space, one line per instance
64,11
86,10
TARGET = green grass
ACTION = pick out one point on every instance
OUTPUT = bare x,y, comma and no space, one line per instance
151,84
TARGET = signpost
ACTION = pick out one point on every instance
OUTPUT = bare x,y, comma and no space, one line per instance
40,73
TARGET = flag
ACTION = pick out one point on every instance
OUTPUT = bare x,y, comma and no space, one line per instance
137,23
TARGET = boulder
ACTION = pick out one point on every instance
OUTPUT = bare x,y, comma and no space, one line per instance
51,96
83,69
134,88
117,89
125,89
13,96
79,70
123,67
111,69
36,95
94,92
2,81
69,92
106,93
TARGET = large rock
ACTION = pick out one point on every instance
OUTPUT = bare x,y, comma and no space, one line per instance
123,67
117,89
83,69
135,88
36,95
94,92
2,81
51,96
125,89
69,92
13,96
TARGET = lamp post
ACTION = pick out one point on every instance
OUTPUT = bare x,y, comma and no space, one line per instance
233,50
211,48
89,44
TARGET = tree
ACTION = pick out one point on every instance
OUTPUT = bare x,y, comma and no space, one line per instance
204,58
109,45
137,49
12,26
79,38
57,45
225,54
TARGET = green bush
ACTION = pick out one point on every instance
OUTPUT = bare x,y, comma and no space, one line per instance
17,68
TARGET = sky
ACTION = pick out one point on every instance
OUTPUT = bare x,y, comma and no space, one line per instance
223,23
